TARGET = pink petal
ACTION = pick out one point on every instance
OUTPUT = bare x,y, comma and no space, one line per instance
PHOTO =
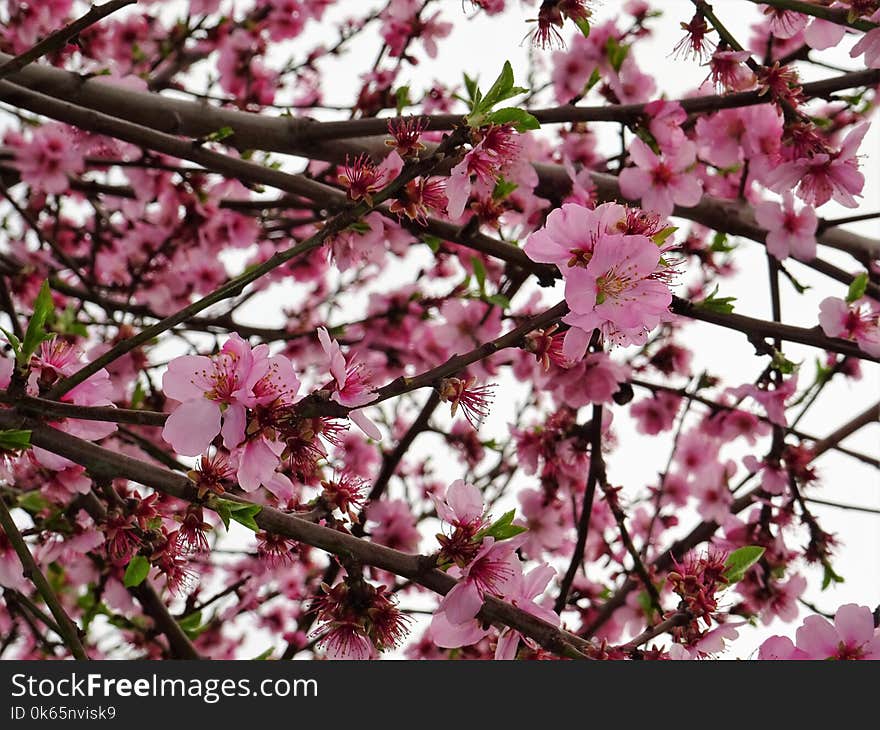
462,603
191,428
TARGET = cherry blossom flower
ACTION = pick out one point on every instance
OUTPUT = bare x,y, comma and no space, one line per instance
824,176
851,637
618,293
351,384
859,321
661,183
213,394
529,587
789,231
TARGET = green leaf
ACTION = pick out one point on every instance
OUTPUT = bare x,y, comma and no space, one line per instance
479,273
500,90
660,238
520,119
722,305
472,89
739,561
503,188
15,439
432,242
503,528
402,99
583,25
36,332
720,244
65,323
192,624
616,52
137,397
33,502
830,576
782,364
13,340
263,656
239,511
857,288
594,79
219,135
136,572
499,300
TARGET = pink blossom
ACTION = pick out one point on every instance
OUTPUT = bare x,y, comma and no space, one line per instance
852,637
618,293
213,392
48,158
570,233
859,321
821,34
545,520
351,382
462,506
772,400
666,118
824,176
661,183
869,44
657,414
529,587
494,570
789,231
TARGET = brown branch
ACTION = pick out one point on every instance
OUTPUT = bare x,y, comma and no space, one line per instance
594,475
290,135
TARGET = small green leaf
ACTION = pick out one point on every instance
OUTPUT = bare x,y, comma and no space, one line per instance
503,188
13,340
192,624
402,99
660,238
830,576
241,512
15,440
499,300
136,572
857,288
720,244
503,528
33,502
479,273
583,25
36,332
137,397
739,561
782,364
722,305
616,52
263,656
519,119
432,242
219,135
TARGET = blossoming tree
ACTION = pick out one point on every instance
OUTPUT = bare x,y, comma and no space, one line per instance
252,336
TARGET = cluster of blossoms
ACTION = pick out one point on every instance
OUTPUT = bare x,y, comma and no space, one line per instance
126,235
484,566
616,280
247,397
